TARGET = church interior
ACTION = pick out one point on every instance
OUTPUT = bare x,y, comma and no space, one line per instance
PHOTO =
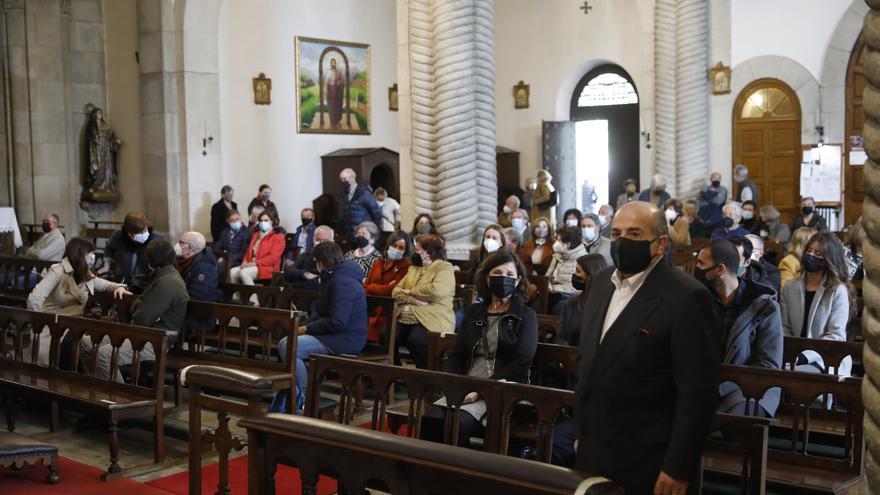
440,246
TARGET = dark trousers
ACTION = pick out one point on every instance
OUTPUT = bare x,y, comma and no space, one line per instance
434,420
414,338
564,436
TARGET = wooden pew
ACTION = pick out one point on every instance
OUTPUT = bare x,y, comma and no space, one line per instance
362,458
287,298
15,273
832,352
745,437
548,328
100,233
796,462
33,231
23,377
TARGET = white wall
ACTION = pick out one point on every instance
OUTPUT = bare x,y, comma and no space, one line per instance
797,29
551,45
260,143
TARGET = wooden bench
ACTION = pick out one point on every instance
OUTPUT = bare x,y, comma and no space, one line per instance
100,232
287,298
22,377
360,458
744,437
794,461
15,273
832,351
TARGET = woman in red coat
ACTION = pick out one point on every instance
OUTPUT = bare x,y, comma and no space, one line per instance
263,256
386,272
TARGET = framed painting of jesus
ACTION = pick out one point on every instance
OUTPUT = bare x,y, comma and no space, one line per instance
333,86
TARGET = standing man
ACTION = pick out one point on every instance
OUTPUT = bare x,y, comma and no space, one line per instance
648,363
219,211
50,245
747,190
657,193
355,204
710,200
606,213
335,91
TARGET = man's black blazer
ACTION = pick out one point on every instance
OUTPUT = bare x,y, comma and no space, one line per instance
647,394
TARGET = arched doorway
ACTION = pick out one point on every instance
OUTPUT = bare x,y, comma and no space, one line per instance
767,139
605,109
854,185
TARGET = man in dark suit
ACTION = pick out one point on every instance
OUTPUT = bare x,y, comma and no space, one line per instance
219,211
648,363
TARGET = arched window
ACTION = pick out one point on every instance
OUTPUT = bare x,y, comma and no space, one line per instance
769,102
605,111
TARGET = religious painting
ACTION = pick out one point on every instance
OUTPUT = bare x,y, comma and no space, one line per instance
392,98
333,86
262,90
719,77
521,96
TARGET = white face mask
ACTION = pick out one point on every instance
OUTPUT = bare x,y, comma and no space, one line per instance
90,260
507,209
142,237
519,224
491,245
671,215
748,215
558,247
178,250
572,222
589,233
265,226
603,219
235,226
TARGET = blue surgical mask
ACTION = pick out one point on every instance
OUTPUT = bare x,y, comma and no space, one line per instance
235,226
395,254
589,233
265,226
740,270
141,237
519,224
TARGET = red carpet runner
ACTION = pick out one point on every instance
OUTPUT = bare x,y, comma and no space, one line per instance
76,479
286,480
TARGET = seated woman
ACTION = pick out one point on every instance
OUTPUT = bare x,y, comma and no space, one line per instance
677,223
572,310
817,304
425,295
338,322
234,239
493,240
790,266
497,340
540,246
67,286
852,248
696,227
566,250
364,243
424,225
386,273
263,256
771,228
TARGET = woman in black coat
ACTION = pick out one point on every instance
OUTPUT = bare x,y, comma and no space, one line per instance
497,340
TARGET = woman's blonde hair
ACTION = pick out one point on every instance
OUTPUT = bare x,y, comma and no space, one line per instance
799,240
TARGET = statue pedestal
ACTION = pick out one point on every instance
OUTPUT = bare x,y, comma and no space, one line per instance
459,250
100,196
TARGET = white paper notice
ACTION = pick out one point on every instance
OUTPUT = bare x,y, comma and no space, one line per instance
820,174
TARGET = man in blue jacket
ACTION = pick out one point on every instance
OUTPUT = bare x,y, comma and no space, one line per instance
711,198
197,266
355,205
338,321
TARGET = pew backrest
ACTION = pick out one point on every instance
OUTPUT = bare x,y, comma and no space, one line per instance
287,298
832,351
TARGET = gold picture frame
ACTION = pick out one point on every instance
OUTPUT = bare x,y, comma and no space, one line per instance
262,90
719,79
322,107
521,95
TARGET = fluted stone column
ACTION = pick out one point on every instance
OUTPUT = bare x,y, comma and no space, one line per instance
871,247
452,115
664,89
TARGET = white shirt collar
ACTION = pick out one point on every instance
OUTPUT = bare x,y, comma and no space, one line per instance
634,280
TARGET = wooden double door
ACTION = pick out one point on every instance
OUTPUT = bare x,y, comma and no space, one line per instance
767,140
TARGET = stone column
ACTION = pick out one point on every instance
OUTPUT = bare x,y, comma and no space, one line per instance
871,246
452,114
664,90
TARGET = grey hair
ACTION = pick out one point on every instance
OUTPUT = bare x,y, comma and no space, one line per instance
371,228
737,207
741,171
808,198
194,239
513,235
56,217
324,228
515,199
593,217
524,213
757,242
658,181
225,189
609,207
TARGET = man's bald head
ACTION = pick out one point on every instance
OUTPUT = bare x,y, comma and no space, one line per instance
195,239
639,215
348,175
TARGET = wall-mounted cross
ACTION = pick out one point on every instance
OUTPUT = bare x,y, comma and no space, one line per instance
586,7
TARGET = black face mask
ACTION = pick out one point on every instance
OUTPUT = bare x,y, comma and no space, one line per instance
631,256
47,227
577,282
700,275
727,222
346,187
502,287
807,210
415,259
812,263
716,183
306,221
360,242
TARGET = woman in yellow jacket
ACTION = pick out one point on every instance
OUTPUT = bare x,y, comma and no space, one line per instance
543,204
424,298
790,265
